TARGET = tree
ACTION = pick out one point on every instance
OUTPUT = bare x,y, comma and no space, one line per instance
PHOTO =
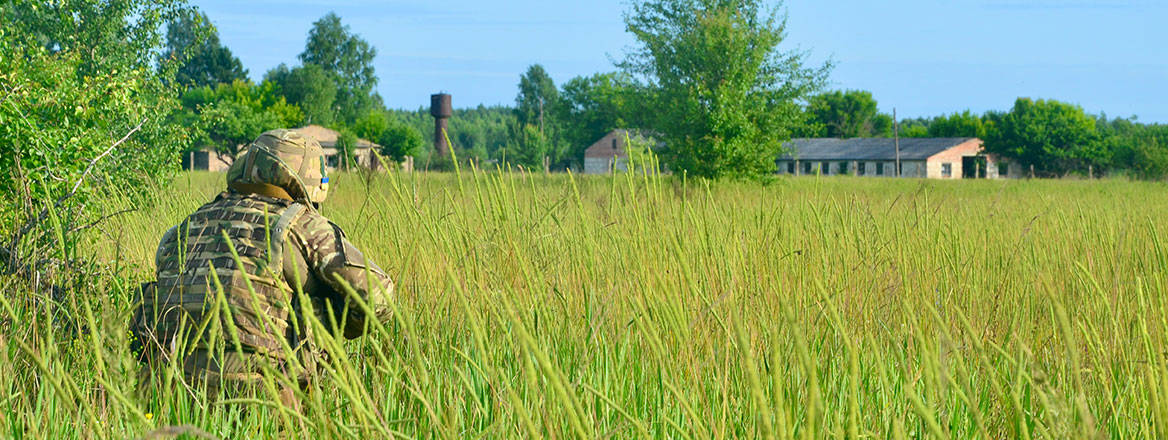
1139,148
1054,137
849,114
371,124
726,97
964,124
192,44
529,147
1146,157
915,128
308,87
536,136
75,77
538,97
400,140
594,105
349,59
347,148
234,114
475,133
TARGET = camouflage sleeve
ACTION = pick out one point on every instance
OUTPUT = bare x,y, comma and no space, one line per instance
331,258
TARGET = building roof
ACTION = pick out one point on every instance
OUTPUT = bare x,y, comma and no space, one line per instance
868,148
328,137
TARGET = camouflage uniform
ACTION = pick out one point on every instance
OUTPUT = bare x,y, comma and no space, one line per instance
223,315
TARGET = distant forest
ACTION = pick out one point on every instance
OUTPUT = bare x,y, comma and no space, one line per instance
719,93
334,86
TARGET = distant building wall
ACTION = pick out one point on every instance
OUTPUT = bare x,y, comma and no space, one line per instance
205,160
870,168
601,165
910,168
328,139
208,160
1006,169
951,159
364,157
607,154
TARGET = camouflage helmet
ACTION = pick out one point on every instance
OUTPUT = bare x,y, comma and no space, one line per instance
281,160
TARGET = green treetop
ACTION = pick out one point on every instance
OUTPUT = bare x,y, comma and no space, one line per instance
849,114
192,44
310,87
726,97
1054,137
347,57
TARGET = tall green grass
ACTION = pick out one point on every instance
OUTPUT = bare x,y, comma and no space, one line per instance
641,306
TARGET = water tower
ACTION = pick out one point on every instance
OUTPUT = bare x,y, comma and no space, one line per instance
441,110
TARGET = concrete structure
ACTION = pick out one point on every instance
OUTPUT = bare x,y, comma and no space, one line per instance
441,109
610,153
328,142
933,158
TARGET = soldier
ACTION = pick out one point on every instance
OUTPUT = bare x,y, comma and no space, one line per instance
240,280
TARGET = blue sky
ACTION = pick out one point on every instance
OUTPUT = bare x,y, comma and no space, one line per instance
924,57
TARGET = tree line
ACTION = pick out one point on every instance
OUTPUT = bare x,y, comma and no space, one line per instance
1056,138
711,80
332,86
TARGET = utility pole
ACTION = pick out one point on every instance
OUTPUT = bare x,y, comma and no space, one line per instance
896,139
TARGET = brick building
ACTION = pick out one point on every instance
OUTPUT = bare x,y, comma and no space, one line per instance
328,142
206,159
610,153
933,158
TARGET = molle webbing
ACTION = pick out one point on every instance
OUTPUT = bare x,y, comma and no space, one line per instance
280,229
261,313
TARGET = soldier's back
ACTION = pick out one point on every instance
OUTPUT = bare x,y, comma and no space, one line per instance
221,289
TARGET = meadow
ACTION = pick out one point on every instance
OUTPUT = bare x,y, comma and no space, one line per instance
646,306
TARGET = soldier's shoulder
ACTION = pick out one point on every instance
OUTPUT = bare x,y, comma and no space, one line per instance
313,223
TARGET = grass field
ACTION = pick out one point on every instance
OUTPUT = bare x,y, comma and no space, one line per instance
640,306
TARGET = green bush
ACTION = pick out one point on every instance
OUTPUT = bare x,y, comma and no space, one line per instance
400,140
75,78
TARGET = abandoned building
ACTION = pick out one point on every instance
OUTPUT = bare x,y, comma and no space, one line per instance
363,153
206,159
610,153
933,158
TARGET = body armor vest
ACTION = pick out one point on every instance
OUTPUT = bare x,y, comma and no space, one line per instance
205,297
